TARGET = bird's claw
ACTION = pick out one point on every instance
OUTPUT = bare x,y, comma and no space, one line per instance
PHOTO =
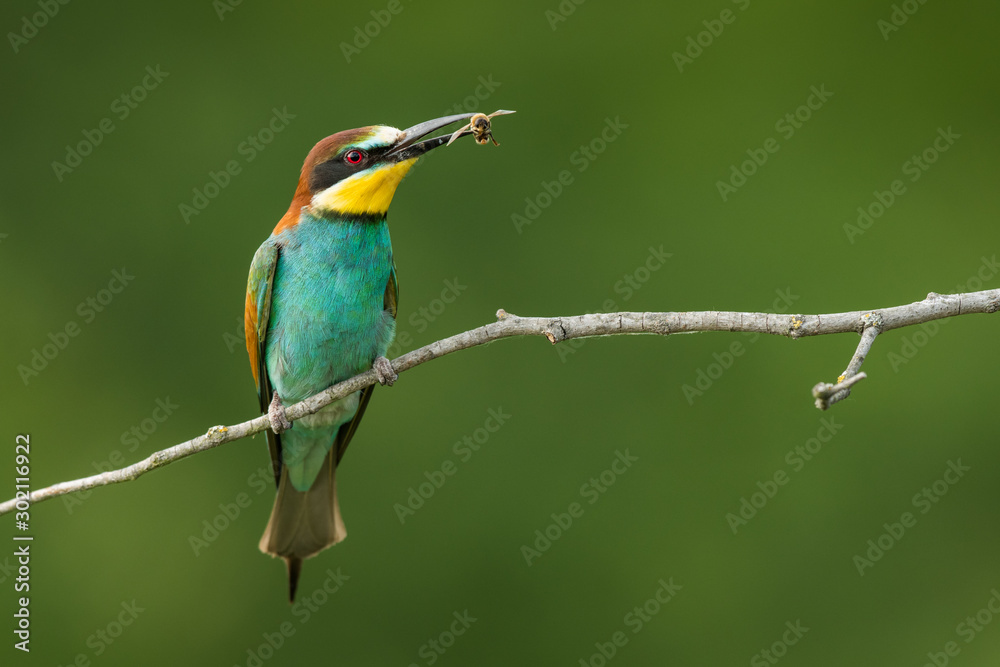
276,413
384,372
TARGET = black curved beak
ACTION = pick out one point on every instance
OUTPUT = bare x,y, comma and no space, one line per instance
410,145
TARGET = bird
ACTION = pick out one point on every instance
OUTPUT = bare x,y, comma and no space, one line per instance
320,308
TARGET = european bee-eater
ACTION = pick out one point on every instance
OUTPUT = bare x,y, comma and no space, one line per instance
321,308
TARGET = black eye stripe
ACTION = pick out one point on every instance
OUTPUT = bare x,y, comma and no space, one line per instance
338,168
327,173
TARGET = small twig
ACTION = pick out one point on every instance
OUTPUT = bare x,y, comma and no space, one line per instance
827,394
558,329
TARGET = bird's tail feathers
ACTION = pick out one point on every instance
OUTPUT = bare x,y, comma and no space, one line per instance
304,523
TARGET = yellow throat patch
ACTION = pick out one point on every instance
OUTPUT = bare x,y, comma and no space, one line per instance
367,193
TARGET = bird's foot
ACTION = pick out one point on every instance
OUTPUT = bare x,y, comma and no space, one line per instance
384,372
276,413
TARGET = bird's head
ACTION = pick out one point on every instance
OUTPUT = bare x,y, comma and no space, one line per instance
353,174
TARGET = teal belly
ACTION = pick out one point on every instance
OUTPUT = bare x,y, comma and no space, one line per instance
328,323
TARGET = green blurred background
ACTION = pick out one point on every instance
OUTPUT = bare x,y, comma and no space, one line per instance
173,334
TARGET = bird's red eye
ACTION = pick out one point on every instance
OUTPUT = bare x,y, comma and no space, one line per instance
354,157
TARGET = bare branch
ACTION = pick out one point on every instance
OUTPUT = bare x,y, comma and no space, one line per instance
557,329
